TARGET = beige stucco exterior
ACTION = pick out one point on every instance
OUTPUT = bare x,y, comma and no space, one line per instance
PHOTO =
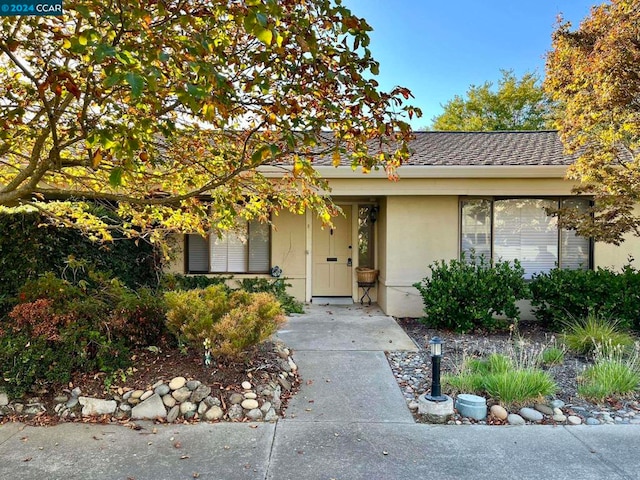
418,224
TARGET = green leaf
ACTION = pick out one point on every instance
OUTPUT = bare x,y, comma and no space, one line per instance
258,155
136,82
104,51
112,80
265,36
125,57
115,179
262,19
83,10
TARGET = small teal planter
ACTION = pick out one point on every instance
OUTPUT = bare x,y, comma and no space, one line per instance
471,406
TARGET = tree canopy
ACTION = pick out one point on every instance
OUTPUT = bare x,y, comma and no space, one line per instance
517,104
594,72
164,111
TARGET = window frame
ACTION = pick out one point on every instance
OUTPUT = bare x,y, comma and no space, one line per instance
492,199
209,238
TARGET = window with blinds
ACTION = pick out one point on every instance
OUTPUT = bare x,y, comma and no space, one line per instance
519,228
244,250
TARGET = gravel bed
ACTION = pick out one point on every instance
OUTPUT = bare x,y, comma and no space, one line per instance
413,373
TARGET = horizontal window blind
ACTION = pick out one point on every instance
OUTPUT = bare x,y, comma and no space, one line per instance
522,230
258,247
244,250
198,252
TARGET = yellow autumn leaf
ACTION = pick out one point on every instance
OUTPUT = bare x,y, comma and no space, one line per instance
297,168
336,158
97,158
265,36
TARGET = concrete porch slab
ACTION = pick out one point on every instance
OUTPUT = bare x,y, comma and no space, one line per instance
332,301
337,327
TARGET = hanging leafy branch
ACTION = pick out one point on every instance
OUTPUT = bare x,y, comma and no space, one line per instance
152,106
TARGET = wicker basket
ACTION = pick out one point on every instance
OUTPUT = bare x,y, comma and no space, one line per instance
366,275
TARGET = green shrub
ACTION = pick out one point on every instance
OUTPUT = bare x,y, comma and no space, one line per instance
252,319
176,281
278,288
563,294
49,287
139,317
612,375
595,332
229,322
466,295
39,347
192,313
29,247
59,328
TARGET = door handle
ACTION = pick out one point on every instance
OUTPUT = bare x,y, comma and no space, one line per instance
349,262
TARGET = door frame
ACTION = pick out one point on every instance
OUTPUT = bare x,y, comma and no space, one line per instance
309,249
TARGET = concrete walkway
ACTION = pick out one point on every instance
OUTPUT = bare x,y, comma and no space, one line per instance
345,374
335,429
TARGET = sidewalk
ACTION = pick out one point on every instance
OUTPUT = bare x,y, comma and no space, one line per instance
356,427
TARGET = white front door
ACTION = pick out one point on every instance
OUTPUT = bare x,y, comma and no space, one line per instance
332,257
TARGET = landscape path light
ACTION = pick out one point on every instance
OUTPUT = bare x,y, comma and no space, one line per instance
435,407
435,346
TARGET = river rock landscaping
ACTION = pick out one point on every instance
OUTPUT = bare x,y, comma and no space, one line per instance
413,374
255,389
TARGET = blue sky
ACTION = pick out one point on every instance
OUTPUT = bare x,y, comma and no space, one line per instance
438,49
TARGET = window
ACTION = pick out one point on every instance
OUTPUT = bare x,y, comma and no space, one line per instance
366,218
519,228
245,250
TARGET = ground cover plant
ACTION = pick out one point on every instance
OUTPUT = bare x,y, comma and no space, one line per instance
614,374
500,377
586,336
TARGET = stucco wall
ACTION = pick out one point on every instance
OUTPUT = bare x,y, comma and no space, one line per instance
615,257
419,230
288,250
382,254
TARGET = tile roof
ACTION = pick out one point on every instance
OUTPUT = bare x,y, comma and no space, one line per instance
525,148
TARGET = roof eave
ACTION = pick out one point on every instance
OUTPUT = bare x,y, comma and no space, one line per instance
428,171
